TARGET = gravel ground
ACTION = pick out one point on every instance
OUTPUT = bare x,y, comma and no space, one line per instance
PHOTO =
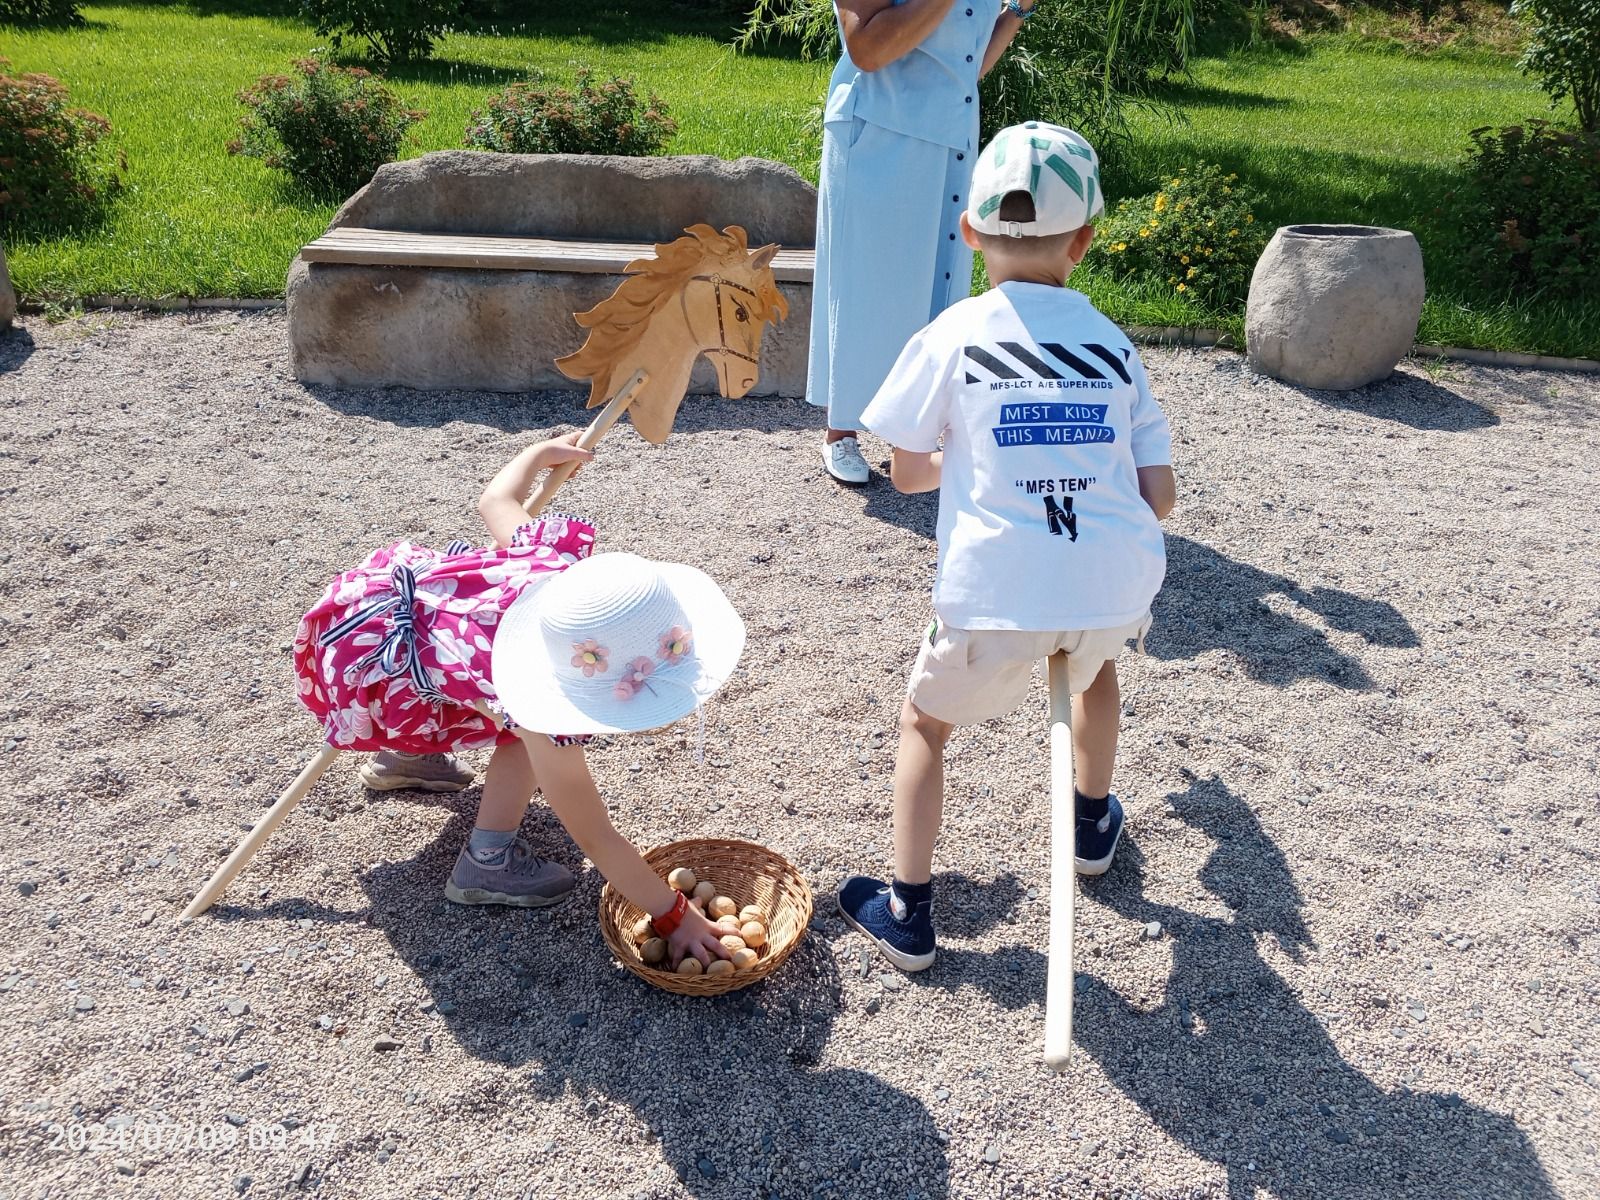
1349,948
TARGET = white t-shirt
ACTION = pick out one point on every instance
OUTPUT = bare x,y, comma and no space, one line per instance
1045,413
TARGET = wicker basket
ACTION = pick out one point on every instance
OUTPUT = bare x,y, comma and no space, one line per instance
746,874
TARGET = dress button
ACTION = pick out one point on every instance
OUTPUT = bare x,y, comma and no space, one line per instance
956,199
959,156
947,274
969,12
969,99
952,237
969,58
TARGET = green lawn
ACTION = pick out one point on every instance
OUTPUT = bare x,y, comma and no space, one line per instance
1337,132
1331,130
195,221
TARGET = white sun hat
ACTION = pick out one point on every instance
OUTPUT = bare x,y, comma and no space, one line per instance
614,644
1054,165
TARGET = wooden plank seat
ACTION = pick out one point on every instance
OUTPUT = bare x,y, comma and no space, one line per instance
400,248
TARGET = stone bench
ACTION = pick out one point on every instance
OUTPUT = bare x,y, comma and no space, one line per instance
462,269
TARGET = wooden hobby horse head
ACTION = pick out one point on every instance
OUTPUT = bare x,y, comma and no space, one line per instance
705,293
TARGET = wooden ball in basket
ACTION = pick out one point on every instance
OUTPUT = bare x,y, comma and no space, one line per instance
749,875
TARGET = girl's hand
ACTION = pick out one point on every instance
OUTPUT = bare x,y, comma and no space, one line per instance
560,450
695,936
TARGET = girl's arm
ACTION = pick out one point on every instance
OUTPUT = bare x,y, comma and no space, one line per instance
500,506
877,32
569,789
1005,28
911,472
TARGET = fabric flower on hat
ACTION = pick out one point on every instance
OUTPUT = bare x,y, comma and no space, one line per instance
633,678
589,657
675,644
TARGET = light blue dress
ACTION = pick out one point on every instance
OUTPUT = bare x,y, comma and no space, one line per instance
898,146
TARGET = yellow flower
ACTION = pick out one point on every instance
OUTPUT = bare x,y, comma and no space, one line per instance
1144,233
1210,223
1227,191
1177,183
1192,272
1120,246
1249,218
1231,178
1161,201
1208,252
1183,287
1233,233
1183,258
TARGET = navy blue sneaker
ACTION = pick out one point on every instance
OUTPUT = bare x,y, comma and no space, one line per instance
1097,834
906,940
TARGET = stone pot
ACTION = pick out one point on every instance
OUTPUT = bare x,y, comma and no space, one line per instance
1334,306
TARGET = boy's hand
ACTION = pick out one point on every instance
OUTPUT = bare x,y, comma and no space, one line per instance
560,450
695,936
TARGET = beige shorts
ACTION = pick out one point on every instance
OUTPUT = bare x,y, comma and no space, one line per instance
967,676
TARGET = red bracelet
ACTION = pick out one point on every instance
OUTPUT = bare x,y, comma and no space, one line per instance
668,921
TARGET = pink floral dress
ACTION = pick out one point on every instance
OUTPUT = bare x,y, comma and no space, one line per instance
396,652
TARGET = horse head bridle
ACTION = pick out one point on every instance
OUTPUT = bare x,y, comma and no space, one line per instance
717,283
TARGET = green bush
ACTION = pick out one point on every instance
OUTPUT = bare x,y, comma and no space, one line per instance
329,127
1564,52
1197,235
1530,210
54,171
40,12
394,30
596,118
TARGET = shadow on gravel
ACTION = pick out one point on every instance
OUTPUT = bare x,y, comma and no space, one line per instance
536,412
537,993
16,346
1235,1066
1410,400
1211,602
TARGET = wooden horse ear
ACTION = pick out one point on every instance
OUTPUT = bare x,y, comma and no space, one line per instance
762,258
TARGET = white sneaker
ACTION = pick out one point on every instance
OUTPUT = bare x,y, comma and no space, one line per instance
844,462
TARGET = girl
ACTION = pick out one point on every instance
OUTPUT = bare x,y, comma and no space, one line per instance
899,133
423,652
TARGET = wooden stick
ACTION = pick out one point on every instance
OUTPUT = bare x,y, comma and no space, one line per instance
270,820
598,428
1060,977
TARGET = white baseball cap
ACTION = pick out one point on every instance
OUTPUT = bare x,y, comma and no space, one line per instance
614,644
1055,166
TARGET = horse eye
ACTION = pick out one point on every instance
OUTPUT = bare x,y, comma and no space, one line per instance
739,313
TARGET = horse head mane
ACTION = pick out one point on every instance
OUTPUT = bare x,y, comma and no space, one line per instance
618,322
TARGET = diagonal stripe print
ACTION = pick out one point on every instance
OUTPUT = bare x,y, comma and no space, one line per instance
1028,359
1071,359
990,363
989,205
1110,359
1068,176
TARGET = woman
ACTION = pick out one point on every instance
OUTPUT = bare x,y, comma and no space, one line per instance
900,131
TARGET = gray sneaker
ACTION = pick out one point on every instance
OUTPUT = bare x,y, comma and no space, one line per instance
390,771
516,876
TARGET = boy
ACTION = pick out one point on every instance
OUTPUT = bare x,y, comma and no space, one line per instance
1053,477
